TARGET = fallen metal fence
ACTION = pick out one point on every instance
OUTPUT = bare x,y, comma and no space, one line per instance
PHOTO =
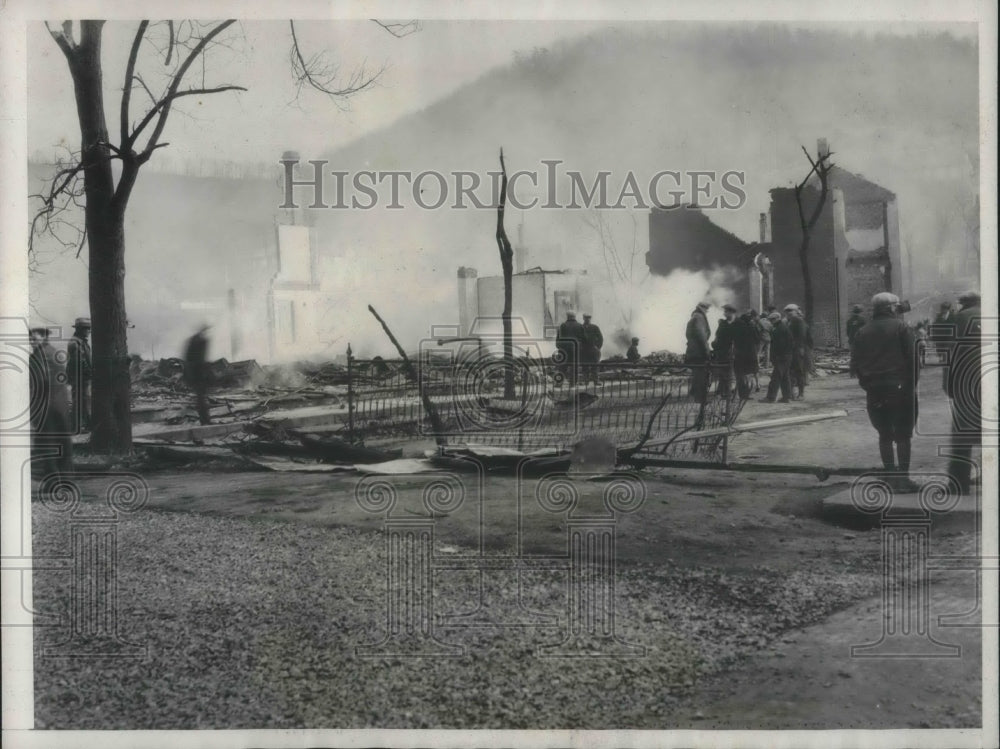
550,405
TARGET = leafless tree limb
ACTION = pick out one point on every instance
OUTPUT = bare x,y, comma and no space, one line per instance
399,29
317,73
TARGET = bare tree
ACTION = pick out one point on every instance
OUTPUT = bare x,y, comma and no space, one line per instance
88,180
507,264
821,167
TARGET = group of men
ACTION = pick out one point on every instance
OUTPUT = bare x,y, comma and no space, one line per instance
886,359
60,390
579,348
742,344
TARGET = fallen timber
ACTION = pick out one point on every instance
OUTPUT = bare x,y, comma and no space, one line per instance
750,426
643,459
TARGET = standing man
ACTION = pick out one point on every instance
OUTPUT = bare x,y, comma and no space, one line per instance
942,335
745,342
801,355
569,343
49,406
722,349
698,352
593,341
781,360
764,354
964,383
632,354
854,323
884,358
196,371
79,370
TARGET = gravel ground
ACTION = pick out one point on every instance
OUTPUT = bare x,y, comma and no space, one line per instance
254,623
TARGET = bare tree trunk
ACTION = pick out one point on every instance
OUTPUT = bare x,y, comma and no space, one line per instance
507,263
807,286
105,221
821,167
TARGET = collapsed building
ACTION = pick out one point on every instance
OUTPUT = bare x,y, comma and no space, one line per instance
854,249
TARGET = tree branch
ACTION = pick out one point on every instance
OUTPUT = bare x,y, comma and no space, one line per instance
129,76
399,30
322,77
163,107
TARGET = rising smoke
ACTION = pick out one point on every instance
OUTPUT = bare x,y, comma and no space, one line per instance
664,306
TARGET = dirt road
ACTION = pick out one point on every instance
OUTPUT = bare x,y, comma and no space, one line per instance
742,570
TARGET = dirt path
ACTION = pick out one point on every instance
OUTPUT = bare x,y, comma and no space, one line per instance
751,526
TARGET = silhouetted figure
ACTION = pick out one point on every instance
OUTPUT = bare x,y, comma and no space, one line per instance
884,358
964,380
196,373
569,343
79,370
781,360
593,341
633,352
801,350
854,323
746,337
722,350
698,352
49,407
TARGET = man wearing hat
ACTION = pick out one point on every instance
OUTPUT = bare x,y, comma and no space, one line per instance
593,341
569,343
196,372
964,385
855,322
79,370
781,360
698,352
801,345
722,349
48,407
884,359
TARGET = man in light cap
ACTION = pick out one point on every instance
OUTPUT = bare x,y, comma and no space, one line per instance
781,360
964,385
698,352
801,350
569,344
79,370
884,359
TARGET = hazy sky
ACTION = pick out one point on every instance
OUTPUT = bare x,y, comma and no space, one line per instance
257,125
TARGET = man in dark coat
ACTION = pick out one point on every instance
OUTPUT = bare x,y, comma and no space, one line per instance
49,407
781,360
854,323
196,373
964,386
942,335
593,341
632,354
746,338
698,352
722,349
569,343
801,350
79,370
884,358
